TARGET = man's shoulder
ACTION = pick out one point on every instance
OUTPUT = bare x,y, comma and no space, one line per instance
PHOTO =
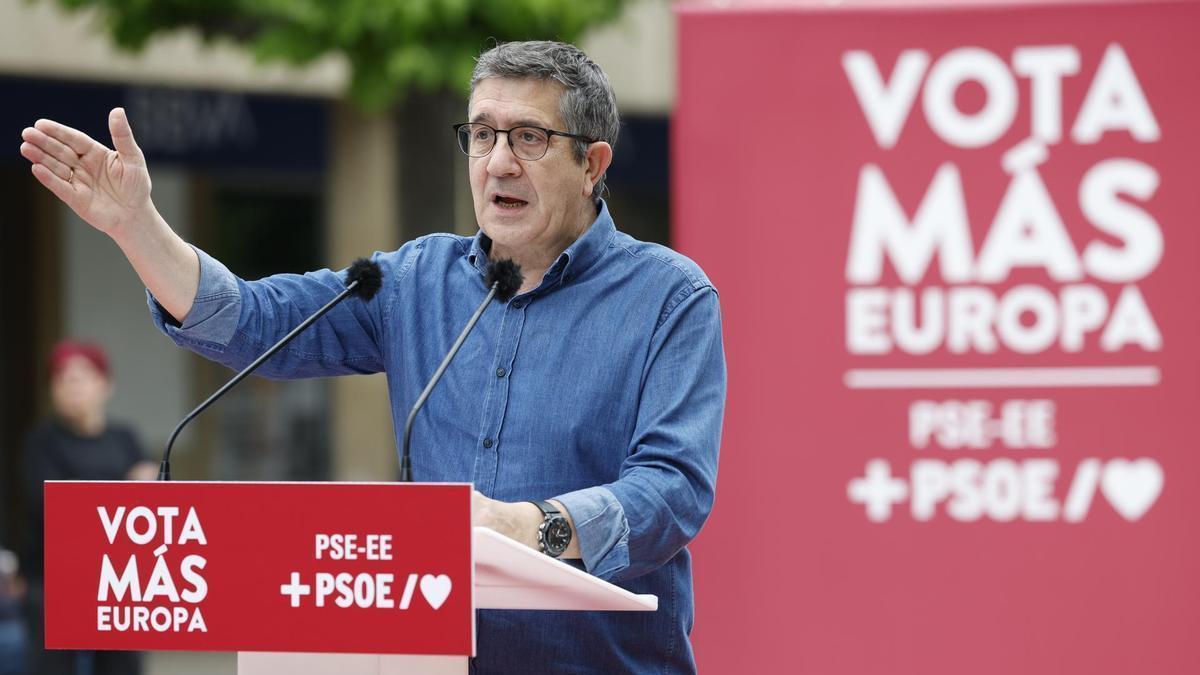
430,248
661,260
437,243
444,240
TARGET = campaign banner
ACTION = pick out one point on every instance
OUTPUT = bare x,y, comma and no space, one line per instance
957,252
279,567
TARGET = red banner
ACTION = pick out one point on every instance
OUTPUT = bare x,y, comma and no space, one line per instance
957,254
289,567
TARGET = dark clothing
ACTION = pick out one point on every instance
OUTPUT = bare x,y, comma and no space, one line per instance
69,661
55,452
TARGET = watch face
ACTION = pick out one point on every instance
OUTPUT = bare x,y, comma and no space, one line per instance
557,536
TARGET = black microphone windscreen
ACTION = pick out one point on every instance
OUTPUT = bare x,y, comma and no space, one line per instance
508,275
368,275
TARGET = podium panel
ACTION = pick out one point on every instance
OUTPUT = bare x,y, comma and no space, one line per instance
283,567
507,576
299,578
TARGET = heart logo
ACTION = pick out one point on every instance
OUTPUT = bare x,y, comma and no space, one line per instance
1132,487
435,589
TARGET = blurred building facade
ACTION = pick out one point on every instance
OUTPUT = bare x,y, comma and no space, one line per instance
266,168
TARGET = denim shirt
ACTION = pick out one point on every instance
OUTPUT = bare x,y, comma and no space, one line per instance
603,388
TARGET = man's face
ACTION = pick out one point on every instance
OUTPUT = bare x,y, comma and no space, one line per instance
522,204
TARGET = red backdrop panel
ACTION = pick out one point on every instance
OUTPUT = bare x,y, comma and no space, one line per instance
957,256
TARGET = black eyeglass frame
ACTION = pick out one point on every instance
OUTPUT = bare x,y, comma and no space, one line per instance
508,136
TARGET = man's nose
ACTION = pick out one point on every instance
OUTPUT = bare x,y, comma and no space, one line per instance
502,161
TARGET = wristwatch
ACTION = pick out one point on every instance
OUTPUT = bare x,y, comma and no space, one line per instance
554,534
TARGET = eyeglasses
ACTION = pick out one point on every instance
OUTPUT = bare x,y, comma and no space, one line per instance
528,143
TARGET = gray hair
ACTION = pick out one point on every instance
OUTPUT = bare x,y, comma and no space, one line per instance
587,106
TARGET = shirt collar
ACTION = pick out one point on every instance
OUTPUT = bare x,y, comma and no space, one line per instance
574,261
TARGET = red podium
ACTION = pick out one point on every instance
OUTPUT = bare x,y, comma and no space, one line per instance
301,578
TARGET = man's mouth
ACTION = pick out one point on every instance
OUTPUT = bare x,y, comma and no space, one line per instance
507,202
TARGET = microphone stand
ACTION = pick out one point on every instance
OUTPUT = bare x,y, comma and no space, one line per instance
164,469
504,278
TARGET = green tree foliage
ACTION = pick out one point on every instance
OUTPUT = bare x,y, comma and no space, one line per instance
391,45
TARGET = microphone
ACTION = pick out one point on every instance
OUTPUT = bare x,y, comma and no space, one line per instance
503,280
364,279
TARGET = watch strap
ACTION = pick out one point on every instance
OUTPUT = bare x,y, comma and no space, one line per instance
547,508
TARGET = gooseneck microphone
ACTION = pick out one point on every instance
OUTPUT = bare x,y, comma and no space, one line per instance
503,280
364,279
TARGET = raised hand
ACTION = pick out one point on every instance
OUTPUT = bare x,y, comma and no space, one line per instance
110,189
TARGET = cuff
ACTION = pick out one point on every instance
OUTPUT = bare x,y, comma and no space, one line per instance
215,311
601,527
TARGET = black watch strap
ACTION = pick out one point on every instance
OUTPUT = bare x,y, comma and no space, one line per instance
554,534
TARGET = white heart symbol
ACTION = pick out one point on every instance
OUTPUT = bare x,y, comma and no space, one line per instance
1132,487
435,589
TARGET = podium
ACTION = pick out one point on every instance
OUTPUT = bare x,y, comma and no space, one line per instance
507,576
298,578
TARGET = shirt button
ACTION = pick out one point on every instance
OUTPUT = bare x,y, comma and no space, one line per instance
500,372
487,442
520,304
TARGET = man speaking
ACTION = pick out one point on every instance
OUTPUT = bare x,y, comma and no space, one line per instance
590,402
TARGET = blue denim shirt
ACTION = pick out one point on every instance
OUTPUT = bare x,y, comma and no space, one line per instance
603,388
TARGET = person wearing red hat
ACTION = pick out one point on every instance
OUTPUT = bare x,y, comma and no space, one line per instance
77,443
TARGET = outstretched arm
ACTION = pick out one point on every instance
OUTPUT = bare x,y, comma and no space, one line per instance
110,190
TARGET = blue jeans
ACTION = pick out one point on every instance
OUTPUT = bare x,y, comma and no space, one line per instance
13,648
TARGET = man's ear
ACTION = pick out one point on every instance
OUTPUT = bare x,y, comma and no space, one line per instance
599,157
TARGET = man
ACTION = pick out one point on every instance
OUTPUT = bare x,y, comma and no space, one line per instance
597,390
78,443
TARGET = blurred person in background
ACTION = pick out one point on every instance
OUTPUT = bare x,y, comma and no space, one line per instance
14,640
13,637
79,442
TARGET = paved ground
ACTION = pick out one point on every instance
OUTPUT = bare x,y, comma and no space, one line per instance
191,663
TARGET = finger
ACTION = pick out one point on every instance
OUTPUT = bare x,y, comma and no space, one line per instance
78,141
36,155
50,146
122,135
61,188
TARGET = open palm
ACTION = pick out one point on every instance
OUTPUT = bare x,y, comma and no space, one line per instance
107,188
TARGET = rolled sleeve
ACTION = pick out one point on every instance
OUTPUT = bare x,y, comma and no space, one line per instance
213,318
668,483
600,527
